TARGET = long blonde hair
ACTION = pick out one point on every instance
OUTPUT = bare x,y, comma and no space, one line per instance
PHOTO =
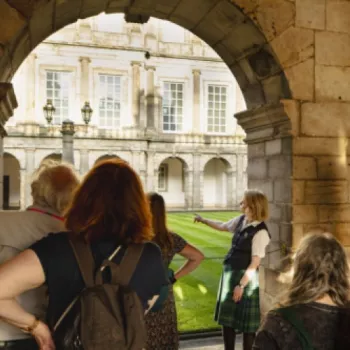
320,267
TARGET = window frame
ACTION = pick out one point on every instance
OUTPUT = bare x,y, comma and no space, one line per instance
69,74
117,124
183,84
214,85
125,95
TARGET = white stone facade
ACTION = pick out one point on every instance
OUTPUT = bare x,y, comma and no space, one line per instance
202,164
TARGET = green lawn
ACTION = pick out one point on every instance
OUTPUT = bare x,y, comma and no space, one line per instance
196,293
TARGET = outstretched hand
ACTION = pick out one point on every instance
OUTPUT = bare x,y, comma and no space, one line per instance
197,218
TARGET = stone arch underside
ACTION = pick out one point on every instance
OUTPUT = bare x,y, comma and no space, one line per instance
220,23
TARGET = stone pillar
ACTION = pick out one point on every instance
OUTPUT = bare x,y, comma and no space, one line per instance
196,121
23,191
8,103
240,185
68,141
151,181
150,94
31,82
188,188
230,189
198,182
270,170
84,161
136,93
84,80
30,167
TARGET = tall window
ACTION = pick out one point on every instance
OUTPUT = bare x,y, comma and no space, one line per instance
173,106
57,90
109,100
163,178
217,108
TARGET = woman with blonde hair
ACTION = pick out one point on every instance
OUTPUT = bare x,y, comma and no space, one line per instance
162,326
238,307
314,313
109,211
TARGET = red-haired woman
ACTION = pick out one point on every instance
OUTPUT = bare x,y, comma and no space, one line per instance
162,325
109,209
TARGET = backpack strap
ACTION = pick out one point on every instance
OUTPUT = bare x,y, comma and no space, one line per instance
288,313
86,263
129,262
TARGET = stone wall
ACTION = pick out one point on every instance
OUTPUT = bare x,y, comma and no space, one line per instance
270,170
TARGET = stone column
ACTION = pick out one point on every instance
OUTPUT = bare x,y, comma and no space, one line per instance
68,141
151,183
136,93
196,121
30,87
230,189
23,185
197,182
188,178
8,103
150,94
84,161
30,167
270,170
84,80
240,185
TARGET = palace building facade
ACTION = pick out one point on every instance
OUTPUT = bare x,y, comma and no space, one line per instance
161,99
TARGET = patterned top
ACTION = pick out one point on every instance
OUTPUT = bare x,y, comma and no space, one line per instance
322,323
162,326
178,246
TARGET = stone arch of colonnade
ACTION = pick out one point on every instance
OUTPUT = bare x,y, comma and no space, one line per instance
239,36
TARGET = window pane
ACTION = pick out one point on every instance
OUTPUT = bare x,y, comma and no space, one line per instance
173,104
58,89
109,100
216,106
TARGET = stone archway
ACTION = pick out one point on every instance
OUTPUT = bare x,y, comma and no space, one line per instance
220,23
217,184
230,31
173,182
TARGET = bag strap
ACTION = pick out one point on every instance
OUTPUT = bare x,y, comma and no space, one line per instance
288,313
86,263
129,262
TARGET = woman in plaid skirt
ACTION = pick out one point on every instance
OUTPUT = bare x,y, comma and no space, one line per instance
238,308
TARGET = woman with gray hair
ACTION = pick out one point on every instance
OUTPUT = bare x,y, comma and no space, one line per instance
52,187
314,313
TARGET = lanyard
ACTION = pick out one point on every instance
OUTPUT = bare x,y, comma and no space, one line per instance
46,212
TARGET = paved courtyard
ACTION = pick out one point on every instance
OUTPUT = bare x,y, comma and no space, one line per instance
207,344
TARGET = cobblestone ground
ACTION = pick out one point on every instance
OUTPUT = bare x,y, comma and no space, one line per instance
207,344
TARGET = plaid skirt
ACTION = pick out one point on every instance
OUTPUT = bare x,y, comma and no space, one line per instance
243,316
